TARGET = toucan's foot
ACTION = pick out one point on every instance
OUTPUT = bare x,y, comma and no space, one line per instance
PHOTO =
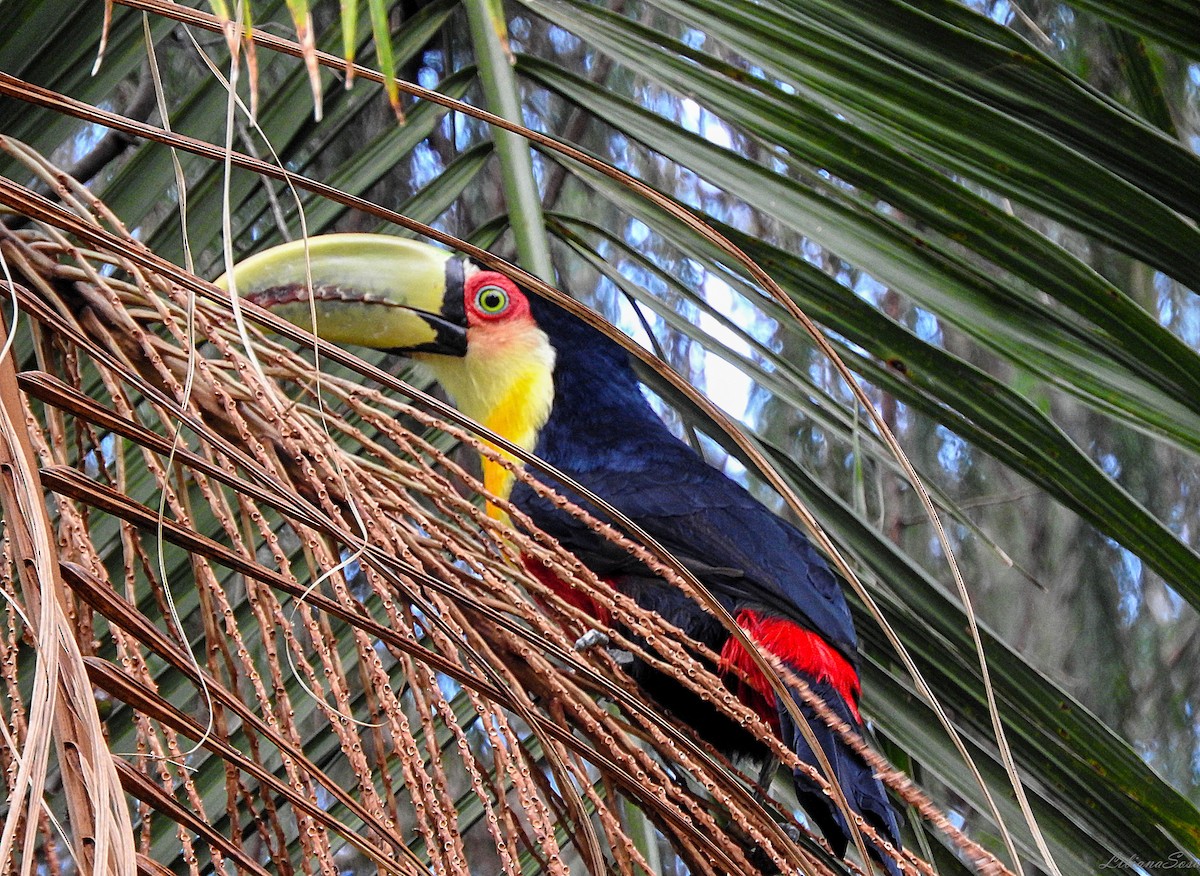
624,659
590,639
596,639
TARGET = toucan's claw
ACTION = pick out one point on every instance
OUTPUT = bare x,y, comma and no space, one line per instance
624,659
591,639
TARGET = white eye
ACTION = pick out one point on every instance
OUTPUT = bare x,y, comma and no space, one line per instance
491,300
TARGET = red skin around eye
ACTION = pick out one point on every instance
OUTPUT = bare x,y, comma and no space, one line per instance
518,307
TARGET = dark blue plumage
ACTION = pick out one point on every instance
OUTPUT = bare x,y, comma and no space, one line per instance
604,433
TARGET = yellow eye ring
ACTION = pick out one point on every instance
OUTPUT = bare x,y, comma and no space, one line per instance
491,300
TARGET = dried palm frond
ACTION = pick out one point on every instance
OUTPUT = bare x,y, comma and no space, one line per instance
312,648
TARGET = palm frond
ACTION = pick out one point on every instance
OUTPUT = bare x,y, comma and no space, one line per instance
995,238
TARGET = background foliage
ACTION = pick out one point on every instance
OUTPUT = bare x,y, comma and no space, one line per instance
989,208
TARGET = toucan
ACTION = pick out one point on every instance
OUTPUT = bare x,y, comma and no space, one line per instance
539,376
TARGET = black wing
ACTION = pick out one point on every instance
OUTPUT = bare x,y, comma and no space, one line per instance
744,553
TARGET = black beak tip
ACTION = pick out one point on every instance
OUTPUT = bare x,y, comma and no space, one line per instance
450,322
450,339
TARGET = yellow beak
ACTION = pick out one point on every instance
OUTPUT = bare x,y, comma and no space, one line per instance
368,289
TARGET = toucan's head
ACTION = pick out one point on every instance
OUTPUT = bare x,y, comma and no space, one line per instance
387,293
473,328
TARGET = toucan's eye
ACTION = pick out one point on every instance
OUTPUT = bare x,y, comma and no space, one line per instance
491,300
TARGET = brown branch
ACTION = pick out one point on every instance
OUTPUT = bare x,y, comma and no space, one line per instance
99,817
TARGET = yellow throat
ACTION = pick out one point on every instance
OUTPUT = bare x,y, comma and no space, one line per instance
506,383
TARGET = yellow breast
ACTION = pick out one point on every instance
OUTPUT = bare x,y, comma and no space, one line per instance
517,416
506,383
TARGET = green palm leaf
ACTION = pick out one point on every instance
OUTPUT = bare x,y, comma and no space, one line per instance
994,225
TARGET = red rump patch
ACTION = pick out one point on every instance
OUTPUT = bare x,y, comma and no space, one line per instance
797,647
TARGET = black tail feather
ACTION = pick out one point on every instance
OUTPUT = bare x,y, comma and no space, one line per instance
864,792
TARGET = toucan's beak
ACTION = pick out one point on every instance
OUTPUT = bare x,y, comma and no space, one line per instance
369,289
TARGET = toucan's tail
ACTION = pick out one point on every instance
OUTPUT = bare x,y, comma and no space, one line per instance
833,678
863,791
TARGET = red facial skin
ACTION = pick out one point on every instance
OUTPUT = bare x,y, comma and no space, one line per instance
516,310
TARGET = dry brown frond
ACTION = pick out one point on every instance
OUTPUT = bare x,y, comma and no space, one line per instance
315,650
